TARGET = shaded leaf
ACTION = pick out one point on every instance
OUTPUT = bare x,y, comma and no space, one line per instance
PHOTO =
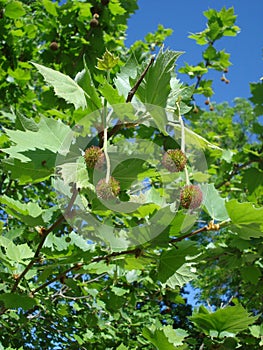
29,213
231,319
172,260
14,300
246,219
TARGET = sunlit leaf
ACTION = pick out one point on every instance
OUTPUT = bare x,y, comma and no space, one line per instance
64,86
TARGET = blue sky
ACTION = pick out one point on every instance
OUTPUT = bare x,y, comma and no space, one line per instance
187,16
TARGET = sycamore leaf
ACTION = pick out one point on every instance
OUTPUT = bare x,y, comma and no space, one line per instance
186,273
75,172
64,86
231,319
23,123
155,87
29,213
115,8
122,347
107,62
165,337
15,300
19,253
171,260
246,219
85,81
193,139
213,203
14,9
122,80
111,94
40,168
50,136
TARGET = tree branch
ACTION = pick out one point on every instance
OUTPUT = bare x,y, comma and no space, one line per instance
132,92
235,171
44,232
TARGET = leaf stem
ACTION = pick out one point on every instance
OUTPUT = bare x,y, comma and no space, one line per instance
183,140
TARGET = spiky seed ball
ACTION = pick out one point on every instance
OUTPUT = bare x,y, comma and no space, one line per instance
94,157
174,160
53,46
108,190
191,197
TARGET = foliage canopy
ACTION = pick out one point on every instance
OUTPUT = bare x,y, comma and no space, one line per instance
81,269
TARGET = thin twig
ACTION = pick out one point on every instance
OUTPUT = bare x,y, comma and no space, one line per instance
132,92
45,233
235,171
191,234
59,276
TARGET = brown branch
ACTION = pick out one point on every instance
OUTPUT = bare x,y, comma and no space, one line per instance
44,233
56,278
235,171
191,234
136,251
132,92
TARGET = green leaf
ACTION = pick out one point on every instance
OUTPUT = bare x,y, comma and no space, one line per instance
127,171
64,86
165,338
185,274
171,260
107,62
115,8
122,347
19,253
250,274
40,168
51,135
246,219
76,172
200,38
111,94
85,81
119,291
23,123
252,179
257,99
193,139
231,319
29,213
50,7
257,331
155,88
209,53
181,223
14,10
122,80
213,203
14,301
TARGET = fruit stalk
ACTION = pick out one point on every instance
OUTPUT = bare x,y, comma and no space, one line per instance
182,140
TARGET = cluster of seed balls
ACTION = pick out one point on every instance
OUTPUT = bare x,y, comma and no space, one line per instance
173,160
